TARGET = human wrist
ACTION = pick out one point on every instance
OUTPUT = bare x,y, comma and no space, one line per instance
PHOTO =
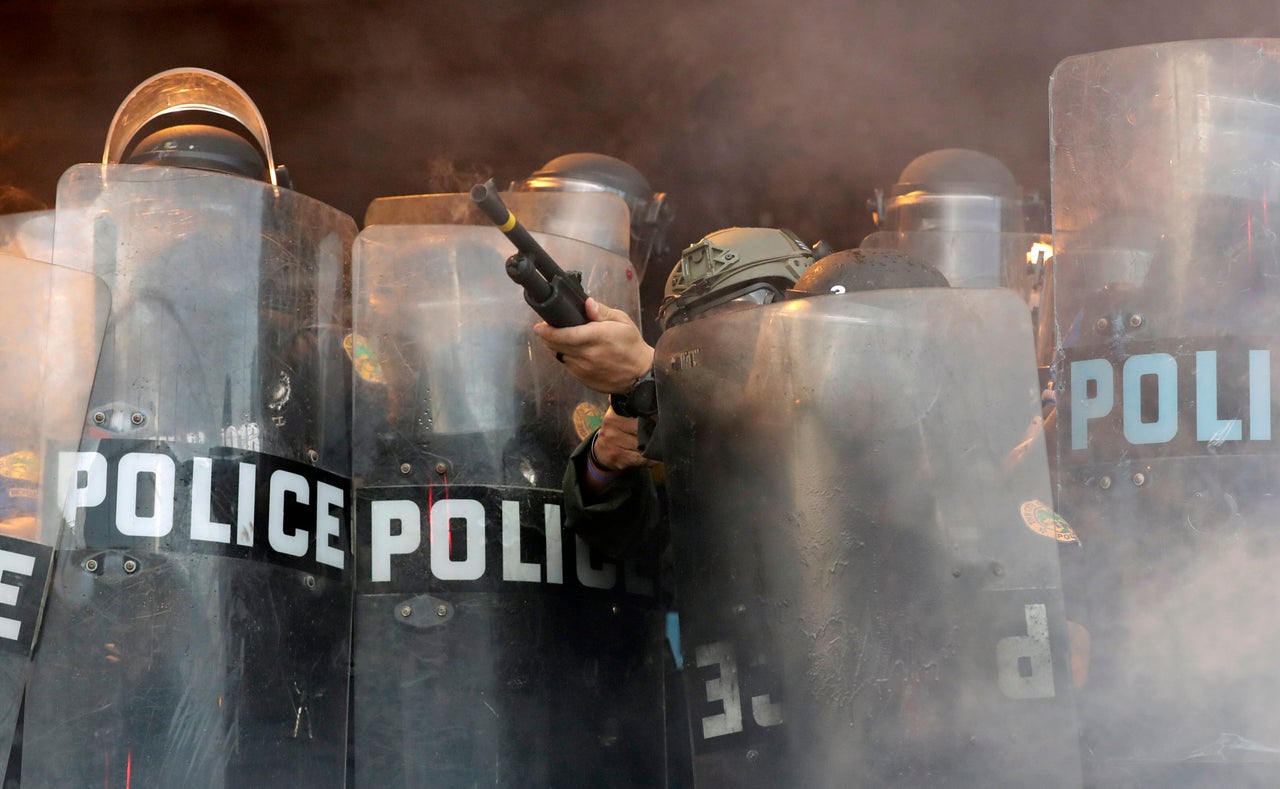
643,362
595,468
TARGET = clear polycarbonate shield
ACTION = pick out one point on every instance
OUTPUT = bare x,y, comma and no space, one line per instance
28,234
976,259
492,646
198,625
865,547
594,217
52,320
1166,161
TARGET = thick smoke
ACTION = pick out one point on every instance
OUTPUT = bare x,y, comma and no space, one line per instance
745,111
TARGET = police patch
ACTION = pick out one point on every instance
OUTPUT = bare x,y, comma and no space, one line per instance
587,418
1041,519
363,358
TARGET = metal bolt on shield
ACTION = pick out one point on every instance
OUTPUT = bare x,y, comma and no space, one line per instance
130,566
91,565
442,610
406,610
405,468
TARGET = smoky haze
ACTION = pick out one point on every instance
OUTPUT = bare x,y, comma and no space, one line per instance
774,112
745,112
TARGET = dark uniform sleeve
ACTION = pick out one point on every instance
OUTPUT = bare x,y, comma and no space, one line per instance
615,520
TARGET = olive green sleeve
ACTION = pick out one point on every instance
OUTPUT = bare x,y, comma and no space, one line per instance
618,518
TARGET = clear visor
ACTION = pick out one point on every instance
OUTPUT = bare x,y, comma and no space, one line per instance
566,185
179,90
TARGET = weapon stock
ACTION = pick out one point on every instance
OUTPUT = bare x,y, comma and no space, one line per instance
552,292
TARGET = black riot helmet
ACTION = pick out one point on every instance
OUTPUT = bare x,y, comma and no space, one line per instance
196,119
749,265
866,269
651,213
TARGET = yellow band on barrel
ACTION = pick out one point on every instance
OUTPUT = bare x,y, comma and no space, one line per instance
510,223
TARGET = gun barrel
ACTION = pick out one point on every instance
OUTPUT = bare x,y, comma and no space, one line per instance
486,198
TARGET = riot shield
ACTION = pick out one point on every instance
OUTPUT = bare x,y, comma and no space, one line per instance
28,234
1166,287
198,625
866,559
491,646
597,218
52,318
975,259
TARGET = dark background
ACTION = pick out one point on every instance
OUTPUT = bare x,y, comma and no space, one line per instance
772,112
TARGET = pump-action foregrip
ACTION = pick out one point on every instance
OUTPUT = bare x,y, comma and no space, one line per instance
552,292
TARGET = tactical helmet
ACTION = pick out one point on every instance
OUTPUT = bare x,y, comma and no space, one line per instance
192,118
651,214
749,264
866,269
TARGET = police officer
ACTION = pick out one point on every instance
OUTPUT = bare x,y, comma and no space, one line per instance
609,499
216,653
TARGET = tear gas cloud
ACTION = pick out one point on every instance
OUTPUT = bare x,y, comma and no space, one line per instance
746,112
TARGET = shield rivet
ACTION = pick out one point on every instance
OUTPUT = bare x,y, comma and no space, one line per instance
130,566
91,565
406,610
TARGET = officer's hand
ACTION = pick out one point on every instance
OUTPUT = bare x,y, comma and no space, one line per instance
607,355
616,446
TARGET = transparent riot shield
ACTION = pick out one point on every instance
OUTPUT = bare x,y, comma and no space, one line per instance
1166,159
198,625
597,218
976,259
27,235
491,646
52,320
866,556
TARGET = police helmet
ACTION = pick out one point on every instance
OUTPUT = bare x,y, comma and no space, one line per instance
651,213
952,189
866,269
198,141
738,264
196,119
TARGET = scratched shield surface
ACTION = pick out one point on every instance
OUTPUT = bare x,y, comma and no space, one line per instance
52,319
1166,159
197,631
865,549
491,645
